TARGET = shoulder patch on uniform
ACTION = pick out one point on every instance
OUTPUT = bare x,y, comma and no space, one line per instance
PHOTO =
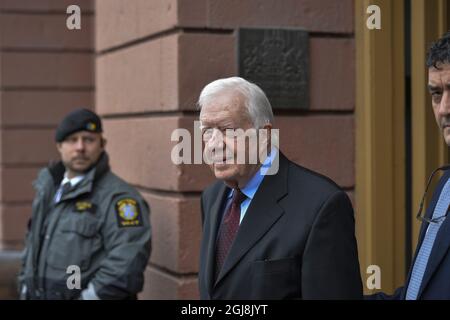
128,213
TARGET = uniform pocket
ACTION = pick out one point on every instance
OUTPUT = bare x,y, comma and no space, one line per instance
276,279
85,226
74,242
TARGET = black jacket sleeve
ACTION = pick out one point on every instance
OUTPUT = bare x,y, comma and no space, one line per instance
330,263
121,274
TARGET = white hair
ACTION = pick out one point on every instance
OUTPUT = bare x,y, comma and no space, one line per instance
258,106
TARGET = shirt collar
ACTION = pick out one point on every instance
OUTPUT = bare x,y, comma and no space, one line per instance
75,180
252,186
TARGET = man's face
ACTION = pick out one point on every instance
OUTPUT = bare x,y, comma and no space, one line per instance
439,87
80,151
227,111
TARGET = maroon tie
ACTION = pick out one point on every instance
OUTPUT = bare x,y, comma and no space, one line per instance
228,229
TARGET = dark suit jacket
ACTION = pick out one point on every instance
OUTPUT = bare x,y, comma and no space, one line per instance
436,279
296,241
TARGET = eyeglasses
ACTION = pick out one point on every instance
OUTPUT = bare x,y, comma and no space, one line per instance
231,133
419,214
207,133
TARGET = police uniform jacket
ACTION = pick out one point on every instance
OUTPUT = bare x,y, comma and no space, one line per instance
99,230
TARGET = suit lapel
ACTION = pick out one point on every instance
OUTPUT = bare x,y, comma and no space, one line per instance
215,215
423,228
441,242
440,248
262,213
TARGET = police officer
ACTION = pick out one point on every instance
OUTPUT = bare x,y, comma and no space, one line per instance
89,234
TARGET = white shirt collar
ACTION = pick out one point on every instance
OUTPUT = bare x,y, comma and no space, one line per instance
75,180
252,186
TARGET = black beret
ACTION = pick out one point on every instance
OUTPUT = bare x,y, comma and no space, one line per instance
78,120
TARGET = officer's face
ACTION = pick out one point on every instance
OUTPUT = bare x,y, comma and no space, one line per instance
439,87
80,151
224,112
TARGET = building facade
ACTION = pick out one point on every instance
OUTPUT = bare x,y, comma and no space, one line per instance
141,66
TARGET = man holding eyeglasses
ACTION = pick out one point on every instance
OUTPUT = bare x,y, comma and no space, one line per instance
271,229
429,277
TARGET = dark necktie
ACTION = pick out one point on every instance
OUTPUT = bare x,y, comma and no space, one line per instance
62,191
228,229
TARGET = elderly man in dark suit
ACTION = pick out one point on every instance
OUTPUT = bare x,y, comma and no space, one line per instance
271,229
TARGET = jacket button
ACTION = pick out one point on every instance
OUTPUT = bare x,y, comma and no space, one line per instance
47,237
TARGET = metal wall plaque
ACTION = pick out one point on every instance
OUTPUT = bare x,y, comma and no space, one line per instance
277,60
